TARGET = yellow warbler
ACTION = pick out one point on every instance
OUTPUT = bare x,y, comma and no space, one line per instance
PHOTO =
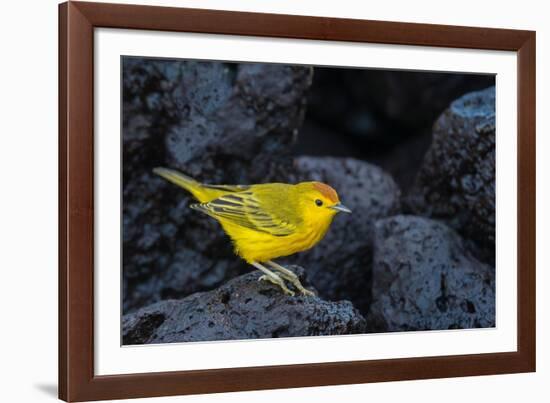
266,221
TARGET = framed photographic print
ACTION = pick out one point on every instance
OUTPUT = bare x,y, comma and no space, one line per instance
254,201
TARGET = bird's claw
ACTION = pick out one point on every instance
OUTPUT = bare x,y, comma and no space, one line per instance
280,283
302,289
307,292
296,284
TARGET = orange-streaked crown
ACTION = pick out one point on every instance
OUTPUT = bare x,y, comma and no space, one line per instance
326,191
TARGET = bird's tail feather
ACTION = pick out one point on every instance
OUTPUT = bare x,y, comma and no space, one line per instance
184,181
203,193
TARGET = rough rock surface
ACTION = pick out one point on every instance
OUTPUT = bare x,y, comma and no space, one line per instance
243,308
424,278
219,122
456,182
339,266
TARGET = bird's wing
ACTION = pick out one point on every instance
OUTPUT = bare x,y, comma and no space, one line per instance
244,209
228,188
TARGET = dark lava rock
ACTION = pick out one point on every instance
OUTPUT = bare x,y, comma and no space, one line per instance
234,119
340,265
219,122
425,279
457,180
243,308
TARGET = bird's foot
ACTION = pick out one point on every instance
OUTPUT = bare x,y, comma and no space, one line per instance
289,275
277,281
296,283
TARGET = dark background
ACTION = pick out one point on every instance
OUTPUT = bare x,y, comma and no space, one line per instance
411,153
381,116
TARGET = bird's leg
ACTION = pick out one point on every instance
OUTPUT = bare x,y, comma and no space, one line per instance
272,278
290,276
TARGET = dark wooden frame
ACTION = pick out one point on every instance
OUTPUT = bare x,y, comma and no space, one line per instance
77,21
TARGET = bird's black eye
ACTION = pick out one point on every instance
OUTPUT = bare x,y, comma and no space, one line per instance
319,202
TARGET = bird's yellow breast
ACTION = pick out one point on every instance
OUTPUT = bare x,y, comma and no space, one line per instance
256,246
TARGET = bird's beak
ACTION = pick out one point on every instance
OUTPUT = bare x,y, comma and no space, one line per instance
341,207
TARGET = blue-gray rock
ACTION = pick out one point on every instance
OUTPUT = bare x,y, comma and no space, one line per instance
243,308
456,182
424,278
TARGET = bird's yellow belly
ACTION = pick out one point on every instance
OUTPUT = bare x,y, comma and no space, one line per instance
255,246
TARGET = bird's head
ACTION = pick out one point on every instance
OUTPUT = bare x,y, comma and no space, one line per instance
319,201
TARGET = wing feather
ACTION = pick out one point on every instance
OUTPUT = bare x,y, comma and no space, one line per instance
246,210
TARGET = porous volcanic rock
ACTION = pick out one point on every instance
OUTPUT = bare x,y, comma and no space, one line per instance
243,308
424,278
456,182
339,266
219,122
